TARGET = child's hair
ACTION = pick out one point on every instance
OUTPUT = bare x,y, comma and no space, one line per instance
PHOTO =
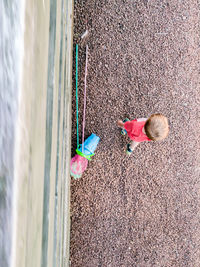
156,127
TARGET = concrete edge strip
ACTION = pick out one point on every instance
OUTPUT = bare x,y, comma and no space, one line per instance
49,118
68,90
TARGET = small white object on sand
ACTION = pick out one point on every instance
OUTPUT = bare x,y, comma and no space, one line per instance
84,34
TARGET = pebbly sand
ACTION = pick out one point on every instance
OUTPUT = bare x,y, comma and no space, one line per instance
142,210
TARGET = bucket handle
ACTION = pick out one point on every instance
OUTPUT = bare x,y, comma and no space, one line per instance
83,155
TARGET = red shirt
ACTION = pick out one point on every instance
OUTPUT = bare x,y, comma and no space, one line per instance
134,130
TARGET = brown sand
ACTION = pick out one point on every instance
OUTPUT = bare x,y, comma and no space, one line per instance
142,210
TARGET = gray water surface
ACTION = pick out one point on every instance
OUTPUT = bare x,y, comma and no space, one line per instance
11,47
35,132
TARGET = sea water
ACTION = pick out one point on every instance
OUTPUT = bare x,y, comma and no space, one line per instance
11,56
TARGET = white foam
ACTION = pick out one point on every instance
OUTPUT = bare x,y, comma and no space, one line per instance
20,49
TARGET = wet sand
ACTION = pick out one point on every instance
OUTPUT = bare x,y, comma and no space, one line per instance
141,210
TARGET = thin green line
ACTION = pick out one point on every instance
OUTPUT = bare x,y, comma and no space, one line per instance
77,94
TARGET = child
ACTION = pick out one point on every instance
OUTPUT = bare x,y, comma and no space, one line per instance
155,128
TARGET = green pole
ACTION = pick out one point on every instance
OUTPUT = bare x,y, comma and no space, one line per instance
77,95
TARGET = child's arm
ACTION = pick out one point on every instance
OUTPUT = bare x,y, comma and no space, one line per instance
142,119
120,124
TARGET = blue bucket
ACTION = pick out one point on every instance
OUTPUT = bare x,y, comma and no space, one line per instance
90,145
